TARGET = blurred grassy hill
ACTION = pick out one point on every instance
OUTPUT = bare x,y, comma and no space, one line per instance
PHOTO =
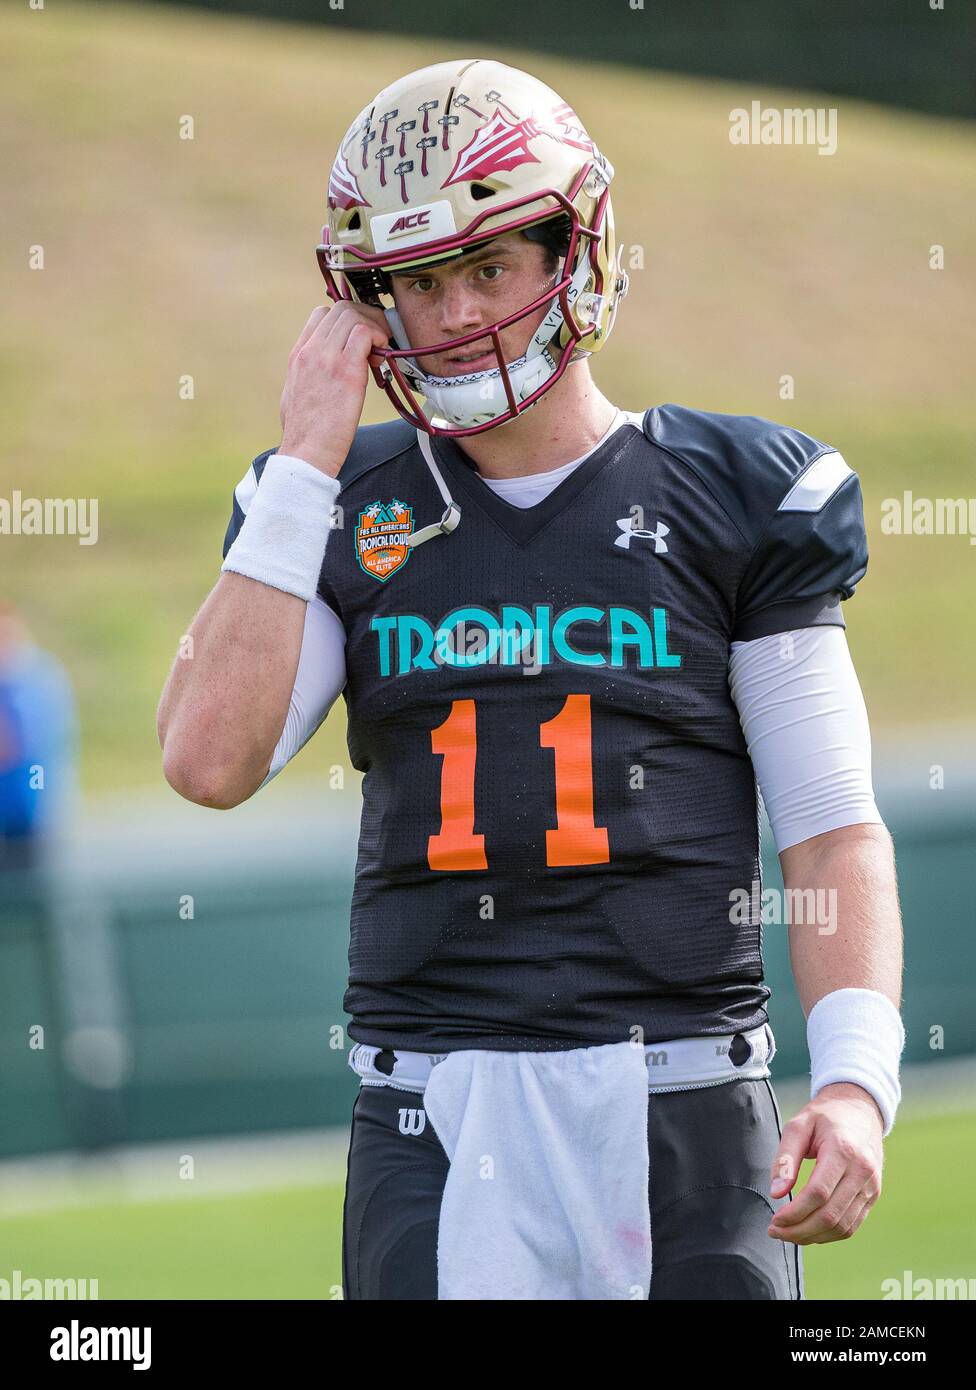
166,257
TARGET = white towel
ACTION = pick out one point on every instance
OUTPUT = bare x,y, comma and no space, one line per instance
547,1192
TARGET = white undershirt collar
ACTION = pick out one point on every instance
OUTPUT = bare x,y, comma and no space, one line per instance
526,491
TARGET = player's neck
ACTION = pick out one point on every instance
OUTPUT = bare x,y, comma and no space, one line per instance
570,419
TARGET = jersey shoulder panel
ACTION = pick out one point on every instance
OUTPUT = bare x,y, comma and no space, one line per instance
795,502
747,462
376,444
243,493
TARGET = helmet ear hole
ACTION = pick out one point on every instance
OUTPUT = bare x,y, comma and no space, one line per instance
355,222
481,190
553,233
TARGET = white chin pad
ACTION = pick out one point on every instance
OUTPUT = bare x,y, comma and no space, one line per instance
480,397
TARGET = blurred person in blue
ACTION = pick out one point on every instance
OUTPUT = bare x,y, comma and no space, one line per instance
37,740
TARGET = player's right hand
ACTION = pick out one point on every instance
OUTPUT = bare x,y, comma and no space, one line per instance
328,370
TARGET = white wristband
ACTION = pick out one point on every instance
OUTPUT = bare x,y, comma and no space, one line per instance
857,1035
284,534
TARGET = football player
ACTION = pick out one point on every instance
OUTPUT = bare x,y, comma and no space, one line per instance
571,639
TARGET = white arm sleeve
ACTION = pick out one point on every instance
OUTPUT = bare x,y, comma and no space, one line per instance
806,728
319,680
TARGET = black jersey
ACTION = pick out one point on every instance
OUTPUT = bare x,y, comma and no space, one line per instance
559,809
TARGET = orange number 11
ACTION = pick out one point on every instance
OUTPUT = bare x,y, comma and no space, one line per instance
576,840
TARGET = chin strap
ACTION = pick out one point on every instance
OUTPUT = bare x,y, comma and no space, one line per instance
452,514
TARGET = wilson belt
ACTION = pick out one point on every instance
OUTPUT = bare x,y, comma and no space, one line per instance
683,1064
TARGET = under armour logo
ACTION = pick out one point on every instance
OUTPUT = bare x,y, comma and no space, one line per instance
632,532
413,1121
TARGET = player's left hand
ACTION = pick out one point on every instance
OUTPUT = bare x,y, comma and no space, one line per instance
842,1129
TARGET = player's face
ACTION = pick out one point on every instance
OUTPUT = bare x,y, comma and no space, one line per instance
452,300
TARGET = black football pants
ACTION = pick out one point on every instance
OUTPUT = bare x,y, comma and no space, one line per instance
710,1152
